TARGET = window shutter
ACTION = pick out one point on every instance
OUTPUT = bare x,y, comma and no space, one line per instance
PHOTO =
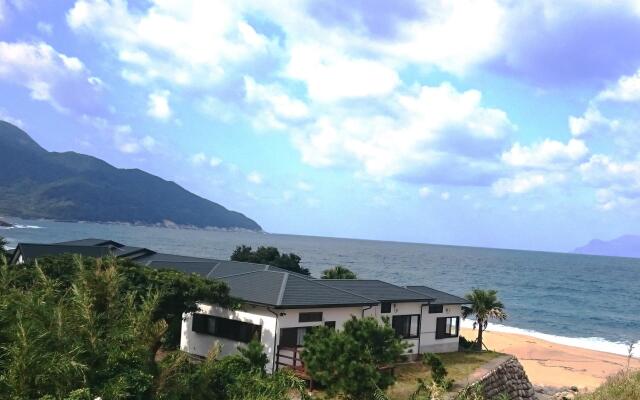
441,326
199,323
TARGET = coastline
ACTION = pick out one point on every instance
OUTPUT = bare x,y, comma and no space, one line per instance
555,365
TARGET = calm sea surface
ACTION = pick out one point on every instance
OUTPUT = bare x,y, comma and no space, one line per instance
588,301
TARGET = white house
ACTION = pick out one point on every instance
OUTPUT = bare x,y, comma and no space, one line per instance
280,306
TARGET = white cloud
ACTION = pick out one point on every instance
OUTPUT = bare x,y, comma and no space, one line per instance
192,43
215,162
50,76
255,177
424,192
590,121
445,195
431,134
549,154
198,158
158,105
5,116
627,89
331,76
44,28
524,182
278,108
617,182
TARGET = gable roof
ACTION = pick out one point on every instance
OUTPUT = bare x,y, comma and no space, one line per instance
91,242
31,251
378,290
289,290
439,296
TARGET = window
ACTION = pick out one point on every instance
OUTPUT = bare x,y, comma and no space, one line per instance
406,326
293,337
447,327
330,324
310,317
225,328
435,308
385,307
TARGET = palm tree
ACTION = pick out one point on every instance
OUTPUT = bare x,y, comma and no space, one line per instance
484,305
338,272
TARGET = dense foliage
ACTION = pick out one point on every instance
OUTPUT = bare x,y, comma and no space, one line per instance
338,272
269,256
623,386
353,362
73,328
36,183
484,306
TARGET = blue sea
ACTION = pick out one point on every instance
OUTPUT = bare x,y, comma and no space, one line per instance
585,301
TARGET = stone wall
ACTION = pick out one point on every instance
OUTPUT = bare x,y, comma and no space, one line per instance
506,378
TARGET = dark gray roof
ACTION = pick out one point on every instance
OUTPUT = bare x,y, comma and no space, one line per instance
169,258
31,251
439,296
92,242
197,267
288,290
378,290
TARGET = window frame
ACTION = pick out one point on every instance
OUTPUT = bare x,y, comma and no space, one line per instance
313,316
436,308
443,334
408,334
385,305
299,342
225,328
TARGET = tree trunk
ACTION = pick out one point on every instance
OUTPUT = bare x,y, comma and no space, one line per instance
480,328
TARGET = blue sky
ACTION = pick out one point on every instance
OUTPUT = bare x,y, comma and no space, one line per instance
488,123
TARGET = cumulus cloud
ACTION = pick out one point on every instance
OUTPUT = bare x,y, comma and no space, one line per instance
429,134
617,182
525,182
627,89
255,177
198,158
548,154
278,109
591,121
424,192
194,43
158,105
5,116
62,81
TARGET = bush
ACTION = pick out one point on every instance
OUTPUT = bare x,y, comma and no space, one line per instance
625,385
438,371
465,344
351,362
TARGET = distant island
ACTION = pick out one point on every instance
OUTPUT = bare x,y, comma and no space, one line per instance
36,183
624,246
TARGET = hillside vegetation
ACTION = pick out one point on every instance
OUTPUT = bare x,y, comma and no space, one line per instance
36,183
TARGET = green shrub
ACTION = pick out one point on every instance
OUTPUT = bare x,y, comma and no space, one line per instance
623,386
438,371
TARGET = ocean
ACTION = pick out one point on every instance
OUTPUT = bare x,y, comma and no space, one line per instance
586,301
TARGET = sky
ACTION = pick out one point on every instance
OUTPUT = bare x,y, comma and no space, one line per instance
509,124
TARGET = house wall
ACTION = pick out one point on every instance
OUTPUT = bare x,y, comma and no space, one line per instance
399,309
200,344
428,341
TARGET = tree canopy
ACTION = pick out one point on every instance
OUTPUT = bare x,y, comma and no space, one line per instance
338,272
270,256
74,328
352,362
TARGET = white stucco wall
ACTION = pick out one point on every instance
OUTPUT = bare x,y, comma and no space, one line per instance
201,344
428,341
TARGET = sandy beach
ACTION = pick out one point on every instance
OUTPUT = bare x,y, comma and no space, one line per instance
556,365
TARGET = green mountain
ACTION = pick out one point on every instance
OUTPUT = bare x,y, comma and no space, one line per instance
36,183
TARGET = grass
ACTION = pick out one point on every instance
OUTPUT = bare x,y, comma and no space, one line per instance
623,386
459,365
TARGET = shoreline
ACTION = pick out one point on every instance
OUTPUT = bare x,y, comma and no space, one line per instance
555,365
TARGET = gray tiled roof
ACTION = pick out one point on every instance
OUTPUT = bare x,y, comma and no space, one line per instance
31,251
439,296
288,290
92,242
378,290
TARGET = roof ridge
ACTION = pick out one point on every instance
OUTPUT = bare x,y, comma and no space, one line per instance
249,272
317,281
283,286
212,269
